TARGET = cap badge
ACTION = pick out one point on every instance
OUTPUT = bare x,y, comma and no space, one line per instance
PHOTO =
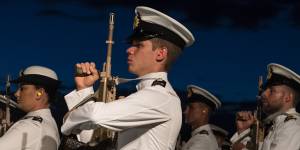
190,93
136,22
270,74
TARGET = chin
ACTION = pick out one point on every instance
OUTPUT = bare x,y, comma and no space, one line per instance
131,70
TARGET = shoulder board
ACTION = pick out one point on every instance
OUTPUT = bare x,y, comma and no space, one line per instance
35,118
203,132
160,82
289,117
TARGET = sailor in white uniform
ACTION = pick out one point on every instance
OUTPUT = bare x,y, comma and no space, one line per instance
38,129
149,119
279,99
201,104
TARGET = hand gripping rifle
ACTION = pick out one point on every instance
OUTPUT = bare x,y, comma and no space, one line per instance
257,129
107,88
102,138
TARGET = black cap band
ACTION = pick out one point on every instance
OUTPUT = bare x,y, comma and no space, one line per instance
36,79
277,79
145,31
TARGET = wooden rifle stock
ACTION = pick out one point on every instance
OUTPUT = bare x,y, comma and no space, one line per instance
107,88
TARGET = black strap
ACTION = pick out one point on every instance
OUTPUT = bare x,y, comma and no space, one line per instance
160,82
35,118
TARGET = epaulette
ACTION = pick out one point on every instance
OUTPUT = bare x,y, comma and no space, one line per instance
289,117
203,132
160,82
35,118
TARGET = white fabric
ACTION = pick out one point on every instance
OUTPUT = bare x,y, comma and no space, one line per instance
193,89
274,68
202,141
40,70
147,119
282,135
29,134
237,137
153,16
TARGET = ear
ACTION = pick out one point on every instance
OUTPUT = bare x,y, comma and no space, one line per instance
205,110
39,93
289,97
161,54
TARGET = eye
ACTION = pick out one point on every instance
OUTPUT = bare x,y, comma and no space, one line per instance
272,90
21,88
137,44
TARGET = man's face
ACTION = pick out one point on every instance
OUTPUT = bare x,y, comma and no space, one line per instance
141,57
26,95
194,113
273,99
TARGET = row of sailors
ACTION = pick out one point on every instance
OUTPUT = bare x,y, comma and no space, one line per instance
151,117
39,131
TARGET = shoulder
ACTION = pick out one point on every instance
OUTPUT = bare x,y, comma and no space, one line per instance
288,123
34,121
203,140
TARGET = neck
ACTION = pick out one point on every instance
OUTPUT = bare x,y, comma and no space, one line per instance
155,68
40,107
199,124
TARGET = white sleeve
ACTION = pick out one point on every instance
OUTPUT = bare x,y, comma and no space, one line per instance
237,137
74,97
145,107
21,135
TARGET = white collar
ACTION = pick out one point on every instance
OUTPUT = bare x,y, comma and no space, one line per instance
148,79
38,112
203,127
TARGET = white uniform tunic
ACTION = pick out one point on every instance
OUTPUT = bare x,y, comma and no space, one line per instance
284,134
149,119
36,131
202,139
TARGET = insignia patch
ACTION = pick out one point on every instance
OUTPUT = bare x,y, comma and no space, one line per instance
203,132
190,93
160,82
269,73
289,117
35,118
136,22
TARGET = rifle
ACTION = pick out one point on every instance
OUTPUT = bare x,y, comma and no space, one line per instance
257,129
107,89
102,138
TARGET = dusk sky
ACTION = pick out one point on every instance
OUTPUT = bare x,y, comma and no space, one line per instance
226,59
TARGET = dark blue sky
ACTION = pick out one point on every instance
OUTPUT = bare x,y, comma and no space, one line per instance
224,59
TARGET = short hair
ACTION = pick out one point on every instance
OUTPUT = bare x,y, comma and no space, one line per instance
296,97
173,50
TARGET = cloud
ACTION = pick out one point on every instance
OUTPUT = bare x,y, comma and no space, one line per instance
248,14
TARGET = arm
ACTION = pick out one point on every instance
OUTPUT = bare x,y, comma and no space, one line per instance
83,89
244,119
146,107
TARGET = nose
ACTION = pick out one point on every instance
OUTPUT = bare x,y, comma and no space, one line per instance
17,93
265,93
130,50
